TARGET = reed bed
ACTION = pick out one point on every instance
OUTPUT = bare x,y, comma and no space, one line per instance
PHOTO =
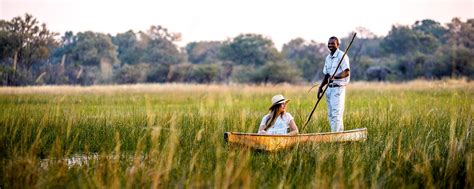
171,136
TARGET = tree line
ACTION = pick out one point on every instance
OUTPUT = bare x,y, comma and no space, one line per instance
31,54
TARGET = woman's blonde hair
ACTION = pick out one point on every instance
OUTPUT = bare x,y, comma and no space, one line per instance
272,117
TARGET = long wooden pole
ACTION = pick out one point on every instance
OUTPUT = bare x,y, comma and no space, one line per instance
325,88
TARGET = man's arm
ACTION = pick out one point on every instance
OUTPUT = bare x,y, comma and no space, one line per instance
325,81
343,74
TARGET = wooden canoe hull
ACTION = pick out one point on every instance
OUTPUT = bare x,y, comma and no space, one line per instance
277,142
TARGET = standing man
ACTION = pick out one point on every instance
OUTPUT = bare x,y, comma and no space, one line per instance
336,92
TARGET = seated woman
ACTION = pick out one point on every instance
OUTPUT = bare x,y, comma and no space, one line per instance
277,122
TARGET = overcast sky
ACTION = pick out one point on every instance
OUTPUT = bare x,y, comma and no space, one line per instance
205,20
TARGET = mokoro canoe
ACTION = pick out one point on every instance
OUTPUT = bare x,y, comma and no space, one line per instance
277,142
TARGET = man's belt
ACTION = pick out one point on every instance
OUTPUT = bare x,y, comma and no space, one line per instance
334,85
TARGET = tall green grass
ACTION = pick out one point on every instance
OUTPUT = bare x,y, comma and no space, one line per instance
171,136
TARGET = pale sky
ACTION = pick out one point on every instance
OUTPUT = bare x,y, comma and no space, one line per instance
206,20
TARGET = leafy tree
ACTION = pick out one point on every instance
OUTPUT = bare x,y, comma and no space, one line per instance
459,50
204,73
158,73
400,41
8,41
363,50
249,49
158,48
273,72
442,63
307,56
65,45
85,54
225,70
431,27
8,76
129,74
279,72
127,47
203,52
154,48
422,37
415,47
89,48
179,72
25,43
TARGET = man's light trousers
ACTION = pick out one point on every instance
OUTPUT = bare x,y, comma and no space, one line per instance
335,100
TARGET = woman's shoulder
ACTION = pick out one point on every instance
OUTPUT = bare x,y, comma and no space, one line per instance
288,115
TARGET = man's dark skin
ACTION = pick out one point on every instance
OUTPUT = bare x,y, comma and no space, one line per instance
333,45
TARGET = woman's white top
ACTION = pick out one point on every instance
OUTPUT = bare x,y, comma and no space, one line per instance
281,124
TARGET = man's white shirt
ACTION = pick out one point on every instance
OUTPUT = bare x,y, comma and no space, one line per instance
330,65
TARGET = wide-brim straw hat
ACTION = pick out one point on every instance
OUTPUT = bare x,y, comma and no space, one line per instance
278,99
